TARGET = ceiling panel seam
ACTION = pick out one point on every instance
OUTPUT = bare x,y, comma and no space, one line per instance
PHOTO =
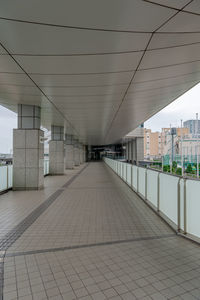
39,88
164,23
99,53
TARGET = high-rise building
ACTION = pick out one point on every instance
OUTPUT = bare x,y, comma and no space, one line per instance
192,126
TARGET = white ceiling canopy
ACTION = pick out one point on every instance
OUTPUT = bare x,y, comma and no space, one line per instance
98,67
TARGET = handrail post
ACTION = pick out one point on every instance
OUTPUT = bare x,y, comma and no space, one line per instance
145,184
7,177
131,176
137,179
179,205
158,193
185,208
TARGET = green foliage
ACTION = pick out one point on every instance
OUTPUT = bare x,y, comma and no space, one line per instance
166,168
189,169
179,171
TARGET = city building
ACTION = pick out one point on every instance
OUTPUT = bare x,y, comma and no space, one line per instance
152,144
192,126
158,144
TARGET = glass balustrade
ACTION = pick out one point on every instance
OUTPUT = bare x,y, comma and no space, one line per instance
6,175
175,198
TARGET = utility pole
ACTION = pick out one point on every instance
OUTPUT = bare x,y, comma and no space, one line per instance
182,147
197,127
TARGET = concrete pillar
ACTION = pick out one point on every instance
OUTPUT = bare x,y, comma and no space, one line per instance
82,158
130,151
69,151
56,151
76,153
80,152
139,149
134,151
127,154
28,150
84,154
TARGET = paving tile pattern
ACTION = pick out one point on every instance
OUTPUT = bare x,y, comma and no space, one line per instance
119,248
153,269
93,209
15,206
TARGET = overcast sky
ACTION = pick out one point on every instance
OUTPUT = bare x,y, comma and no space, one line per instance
184,108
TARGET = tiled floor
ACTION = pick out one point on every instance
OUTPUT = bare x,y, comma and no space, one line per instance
119,248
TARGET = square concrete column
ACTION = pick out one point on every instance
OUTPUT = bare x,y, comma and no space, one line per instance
28,150
130,151
81,153
56,151
134,153
76,153
69,151
126,153
84,154
139,149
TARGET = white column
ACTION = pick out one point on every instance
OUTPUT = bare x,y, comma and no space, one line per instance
28,150
56,151
130,151
139,149
76,153
127,154
69,151
84,154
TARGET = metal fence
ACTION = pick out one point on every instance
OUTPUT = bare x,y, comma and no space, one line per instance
6,175
176,199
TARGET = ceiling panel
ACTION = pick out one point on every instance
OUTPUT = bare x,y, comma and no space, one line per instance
167,72
171,3
165,57
82,91
164,40
31,39
109,78
99,68
183,22
194,7
79,64
112,14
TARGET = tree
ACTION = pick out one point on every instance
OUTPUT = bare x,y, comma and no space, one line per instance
166,168
189,169
179,171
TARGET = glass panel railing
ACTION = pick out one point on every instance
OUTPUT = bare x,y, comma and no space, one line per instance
134,177
141,181
182,209
168,186
193,207
129,169
175,198
10,176
124,171
3,178
152,187
6,175
46,167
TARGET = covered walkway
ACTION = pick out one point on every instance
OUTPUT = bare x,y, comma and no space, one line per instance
88,236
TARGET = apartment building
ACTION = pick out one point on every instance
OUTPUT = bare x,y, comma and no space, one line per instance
157,144
152,144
